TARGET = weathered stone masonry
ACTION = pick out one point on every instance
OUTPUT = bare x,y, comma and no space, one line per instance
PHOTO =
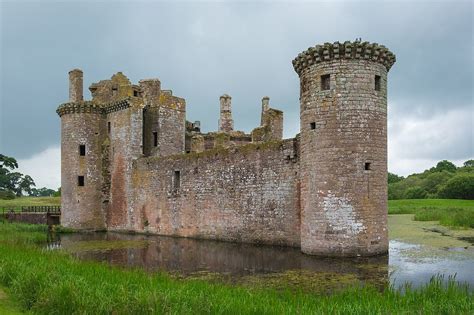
147,169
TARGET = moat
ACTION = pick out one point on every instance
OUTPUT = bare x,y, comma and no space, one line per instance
409,260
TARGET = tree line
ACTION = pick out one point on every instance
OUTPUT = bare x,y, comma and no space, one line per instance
443,181
15,184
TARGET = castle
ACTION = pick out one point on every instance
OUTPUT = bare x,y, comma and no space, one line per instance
130,160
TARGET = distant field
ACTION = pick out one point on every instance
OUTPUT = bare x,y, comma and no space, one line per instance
449,212
31,201
406,206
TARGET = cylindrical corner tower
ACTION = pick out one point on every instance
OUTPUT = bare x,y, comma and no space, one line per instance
343,161
81,161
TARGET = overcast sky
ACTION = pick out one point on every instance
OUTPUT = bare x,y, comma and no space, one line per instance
202,50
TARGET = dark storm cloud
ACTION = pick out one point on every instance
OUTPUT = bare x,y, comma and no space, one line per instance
202,50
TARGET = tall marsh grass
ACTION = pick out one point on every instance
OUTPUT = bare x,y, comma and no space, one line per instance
452,213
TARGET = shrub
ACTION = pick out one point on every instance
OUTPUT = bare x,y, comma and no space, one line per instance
415,193
6,195
459,187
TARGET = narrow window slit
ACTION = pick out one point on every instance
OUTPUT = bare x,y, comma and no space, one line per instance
82,149
313,125
155,138
176,180
377,83
325,82
80,180
367,166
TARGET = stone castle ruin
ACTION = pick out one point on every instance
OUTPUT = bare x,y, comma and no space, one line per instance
130,160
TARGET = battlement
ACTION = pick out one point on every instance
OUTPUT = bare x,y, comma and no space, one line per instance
346,50
79,107
93,107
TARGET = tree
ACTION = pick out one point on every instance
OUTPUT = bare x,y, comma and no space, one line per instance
460,186
433,182
415,193
469,163
444,165
26,184
13,183
394,178
8,162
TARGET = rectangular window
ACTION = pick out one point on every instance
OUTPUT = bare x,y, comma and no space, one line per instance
313,125
377,83
325,82
80,180
82,149
109,127
176,180
155,138
135,93
367,166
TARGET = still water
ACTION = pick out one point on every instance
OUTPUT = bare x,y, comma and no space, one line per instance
272,266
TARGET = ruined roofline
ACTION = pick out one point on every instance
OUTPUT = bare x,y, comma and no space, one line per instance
347,50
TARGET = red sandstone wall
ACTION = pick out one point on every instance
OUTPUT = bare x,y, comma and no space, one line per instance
125,145
247,194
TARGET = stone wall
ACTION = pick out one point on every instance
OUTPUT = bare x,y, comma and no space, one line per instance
125,138
248,194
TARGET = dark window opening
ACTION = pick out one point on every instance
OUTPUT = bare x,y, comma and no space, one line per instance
367,166
176,180
80,180
135,93
377,83
155,138
325,82
82,150
313,125
188,151
109,127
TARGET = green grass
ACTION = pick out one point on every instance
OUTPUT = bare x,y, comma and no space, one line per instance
449,212
8,306
29,201
51,282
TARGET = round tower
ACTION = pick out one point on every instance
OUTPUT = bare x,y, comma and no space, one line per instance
343,157
81,159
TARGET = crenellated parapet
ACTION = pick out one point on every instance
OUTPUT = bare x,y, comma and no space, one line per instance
117,105
92,107
347,50
79,107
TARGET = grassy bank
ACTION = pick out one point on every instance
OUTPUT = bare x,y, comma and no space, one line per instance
31,201
49,282
449,212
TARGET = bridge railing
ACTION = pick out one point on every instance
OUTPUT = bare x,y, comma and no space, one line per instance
35,209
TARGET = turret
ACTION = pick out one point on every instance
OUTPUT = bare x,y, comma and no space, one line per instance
81,163
226,124
343,156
